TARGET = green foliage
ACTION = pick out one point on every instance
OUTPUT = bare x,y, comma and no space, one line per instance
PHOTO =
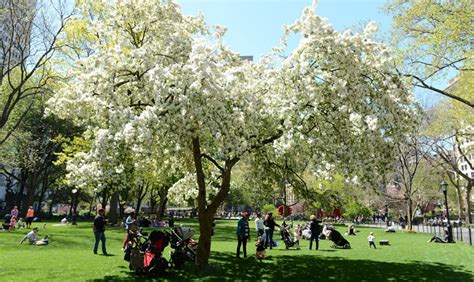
434,40
439,31
334,193
354,209
269,208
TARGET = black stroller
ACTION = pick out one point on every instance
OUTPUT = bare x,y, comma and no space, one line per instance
289,240
184,246
145,254
336,237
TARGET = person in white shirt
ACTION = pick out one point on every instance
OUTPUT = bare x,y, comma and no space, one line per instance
259,225
371,240
33,240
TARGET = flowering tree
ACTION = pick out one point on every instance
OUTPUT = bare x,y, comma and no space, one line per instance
160,85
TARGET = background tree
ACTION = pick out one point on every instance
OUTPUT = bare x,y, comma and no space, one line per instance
31,30
435,39
32,149
449,132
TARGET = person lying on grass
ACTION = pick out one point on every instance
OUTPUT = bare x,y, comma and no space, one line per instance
33,240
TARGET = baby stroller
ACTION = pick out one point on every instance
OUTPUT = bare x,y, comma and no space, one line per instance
146,253
338,240
287,238
184,246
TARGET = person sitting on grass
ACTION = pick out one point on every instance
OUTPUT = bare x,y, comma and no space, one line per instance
436,239
33,240
20,223
12,223
351,230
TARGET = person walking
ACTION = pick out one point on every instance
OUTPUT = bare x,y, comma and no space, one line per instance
259,225
243,233
315,231
269,229
371,240
30,214
99,231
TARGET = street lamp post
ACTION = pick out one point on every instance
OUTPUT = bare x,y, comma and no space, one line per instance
444,188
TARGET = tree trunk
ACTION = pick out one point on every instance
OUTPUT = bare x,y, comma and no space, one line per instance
162,203
113,208
410,214
207,211
50,211
31,184
105,198
91,204
459,199
121,209
44,188
23,178
140,195
76,201
468,202
204,245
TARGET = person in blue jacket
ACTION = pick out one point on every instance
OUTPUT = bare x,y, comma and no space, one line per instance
243,233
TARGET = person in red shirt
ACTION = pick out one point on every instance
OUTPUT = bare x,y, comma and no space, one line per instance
30,214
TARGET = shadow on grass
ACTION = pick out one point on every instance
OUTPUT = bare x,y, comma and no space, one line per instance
225,266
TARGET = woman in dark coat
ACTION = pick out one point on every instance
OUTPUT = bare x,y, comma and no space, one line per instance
269,228
243,233
315,231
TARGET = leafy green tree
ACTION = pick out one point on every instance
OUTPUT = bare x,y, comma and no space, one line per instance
354,209
434,39
28,44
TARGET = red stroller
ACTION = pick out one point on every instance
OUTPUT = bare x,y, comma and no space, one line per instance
146,255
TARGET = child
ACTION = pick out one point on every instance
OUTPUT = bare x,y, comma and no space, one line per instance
20,223
371,240
260,248
132,233
12,223
298,232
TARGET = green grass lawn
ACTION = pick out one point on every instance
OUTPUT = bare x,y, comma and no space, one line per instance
69,257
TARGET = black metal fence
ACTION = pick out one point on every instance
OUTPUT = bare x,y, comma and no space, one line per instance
465,234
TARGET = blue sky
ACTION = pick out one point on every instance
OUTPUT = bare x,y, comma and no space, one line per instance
254,27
